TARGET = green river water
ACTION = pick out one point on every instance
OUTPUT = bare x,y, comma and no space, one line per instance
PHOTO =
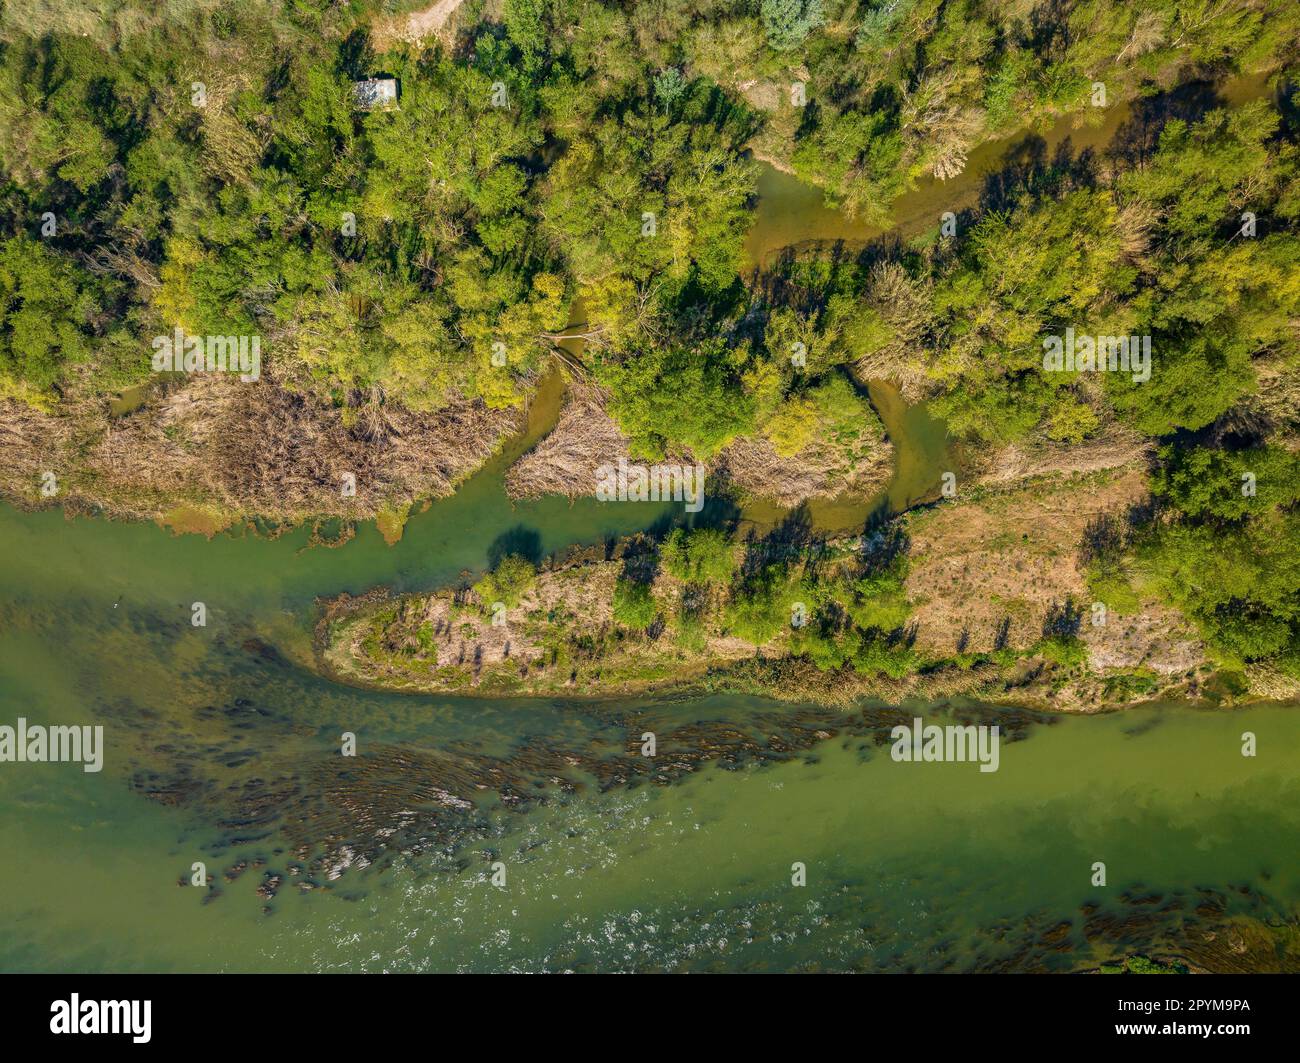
222,746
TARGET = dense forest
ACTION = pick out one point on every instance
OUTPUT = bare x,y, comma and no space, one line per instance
204,165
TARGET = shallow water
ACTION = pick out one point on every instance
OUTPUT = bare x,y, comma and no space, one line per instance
909,866
792,214
223,746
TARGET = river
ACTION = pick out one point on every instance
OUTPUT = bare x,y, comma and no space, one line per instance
223,746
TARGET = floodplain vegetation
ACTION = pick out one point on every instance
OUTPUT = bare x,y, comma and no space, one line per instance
552,169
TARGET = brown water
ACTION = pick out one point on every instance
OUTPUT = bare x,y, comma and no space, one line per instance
792,214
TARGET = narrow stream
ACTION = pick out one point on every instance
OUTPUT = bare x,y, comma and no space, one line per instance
222,746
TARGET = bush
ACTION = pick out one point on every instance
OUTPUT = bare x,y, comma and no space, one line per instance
1065,650
761,608
700,556
634,605
508,582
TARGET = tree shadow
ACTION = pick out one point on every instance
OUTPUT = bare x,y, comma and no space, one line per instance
640,560
354,55
521,540
1063,620
881,547
1104,536
1287,99
793,538
1029,170
963,639
1002,636
1137,138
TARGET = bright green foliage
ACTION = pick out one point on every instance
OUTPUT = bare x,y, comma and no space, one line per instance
1023,276
1201,171
478,224
44,312
831,413
1230,559
508,582
858,620
1242,582
1230,485
703,555
679,398
878,600
1218,297
858,157
1068,651
634,604
525,23
651,196
762,607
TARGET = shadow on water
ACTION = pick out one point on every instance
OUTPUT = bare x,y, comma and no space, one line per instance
521,541
921,456
1137,138
219,737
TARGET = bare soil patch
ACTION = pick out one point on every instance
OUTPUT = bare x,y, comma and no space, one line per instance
416,27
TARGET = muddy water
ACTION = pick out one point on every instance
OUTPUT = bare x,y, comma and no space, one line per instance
792,214
921,457
222,746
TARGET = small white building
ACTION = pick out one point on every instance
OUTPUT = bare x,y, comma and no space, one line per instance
375,94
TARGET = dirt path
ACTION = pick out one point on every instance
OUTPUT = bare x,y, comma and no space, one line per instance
416,26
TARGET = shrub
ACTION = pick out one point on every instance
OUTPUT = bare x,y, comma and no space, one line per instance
508,582
634,605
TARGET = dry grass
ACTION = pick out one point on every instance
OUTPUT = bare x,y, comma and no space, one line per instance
565,462
33,443
1010,555
819,470
246,449
1114,448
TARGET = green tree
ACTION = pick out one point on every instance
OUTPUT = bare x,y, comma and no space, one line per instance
512,578
788,22
703,555
45,308
679,398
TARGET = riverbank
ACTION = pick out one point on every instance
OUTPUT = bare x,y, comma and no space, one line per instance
204,454
995,605
208,453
